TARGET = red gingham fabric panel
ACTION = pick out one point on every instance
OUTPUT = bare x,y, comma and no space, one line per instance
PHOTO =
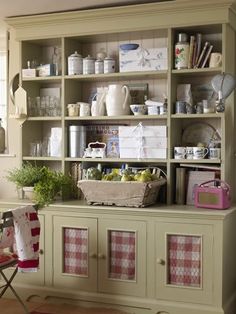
184,260
76,251
122,255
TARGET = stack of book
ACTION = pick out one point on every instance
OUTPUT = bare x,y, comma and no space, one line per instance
199,53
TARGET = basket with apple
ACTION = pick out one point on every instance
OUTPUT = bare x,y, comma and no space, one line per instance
127,189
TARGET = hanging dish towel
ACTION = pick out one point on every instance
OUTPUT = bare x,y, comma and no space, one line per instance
27,231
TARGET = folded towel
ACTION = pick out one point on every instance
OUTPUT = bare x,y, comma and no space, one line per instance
27,231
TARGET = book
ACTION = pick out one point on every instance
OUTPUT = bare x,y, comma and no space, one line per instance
207,56
199,46
201,57
191,48
180,188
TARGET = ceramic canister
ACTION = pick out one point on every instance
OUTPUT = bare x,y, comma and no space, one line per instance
99,66
75,64
109,65
88,65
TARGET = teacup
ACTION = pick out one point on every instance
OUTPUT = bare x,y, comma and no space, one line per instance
179,152
189,152
215,60
214,153
199,152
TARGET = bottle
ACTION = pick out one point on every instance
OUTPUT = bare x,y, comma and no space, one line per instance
55,61
182,52
163,108
2,138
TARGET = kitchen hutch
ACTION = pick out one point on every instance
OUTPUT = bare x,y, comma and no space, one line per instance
147,278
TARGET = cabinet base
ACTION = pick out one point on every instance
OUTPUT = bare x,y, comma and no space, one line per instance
129,305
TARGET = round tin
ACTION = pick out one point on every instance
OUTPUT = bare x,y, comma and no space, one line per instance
75,64
88,65
109,65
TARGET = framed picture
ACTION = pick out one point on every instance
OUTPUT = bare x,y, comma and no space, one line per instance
138,92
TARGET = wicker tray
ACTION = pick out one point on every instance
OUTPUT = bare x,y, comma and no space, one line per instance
130,193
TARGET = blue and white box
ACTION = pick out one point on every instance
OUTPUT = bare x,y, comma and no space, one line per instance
142,59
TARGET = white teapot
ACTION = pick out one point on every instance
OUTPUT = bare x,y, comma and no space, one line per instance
118,100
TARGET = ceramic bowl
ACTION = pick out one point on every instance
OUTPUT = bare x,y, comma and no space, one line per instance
138,109
129,46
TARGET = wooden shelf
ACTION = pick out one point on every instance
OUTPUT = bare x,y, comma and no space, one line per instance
129,117
118,76
117,160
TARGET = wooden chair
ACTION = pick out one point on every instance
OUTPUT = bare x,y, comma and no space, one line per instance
8,259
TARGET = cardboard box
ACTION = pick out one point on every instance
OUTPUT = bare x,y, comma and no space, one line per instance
143,153
29,73
46,70
150,59
151,142
107,134
147,131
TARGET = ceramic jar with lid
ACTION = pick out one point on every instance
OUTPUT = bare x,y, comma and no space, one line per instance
109,65
99,66
75,64
88,65
182,52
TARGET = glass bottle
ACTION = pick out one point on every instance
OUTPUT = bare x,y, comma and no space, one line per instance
2,138
182,51
55,61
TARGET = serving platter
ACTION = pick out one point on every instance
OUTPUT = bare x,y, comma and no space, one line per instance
199,132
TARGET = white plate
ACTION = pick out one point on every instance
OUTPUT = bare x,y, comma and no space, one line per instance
199,132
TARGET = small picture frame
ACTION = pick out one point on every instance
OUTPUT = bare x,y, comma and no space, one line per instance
138,92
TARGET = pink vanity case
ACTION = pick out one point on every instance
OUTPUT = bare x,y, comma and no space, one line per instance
215,196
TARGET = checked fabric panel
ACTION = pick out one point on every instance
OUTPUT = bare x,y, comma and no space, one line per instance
76,251
184,260
122,255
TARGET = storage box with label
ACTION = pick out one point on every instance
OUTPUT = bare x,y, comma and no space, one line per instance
141,59
143,141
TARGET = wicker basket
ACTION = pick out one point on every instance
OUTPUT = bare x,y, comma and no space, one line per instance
129,193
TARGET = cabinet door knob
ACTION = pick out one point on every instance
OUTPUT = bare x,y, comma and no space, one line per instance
93,255
41,252
101,256
160,261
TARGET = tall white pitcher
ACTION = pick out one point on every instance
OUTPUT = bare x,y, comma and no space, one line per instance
118,100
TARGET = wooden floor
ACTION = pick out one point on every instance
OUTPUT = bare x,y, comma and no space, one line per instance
11,306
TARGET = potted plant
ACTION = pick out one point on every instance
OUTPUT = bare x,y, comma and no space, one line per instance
51,184
25,178
45,183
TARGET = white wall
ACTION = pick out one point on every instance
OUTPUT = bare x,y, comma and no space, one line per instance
12,159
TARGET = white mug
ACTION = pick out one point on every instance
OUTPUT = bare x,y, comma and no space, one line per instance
84,110
214,153
179,152
215,60
199,152
189,152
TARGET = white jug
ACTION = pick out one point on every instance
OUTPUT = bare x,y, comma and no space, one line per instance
98,102
118,100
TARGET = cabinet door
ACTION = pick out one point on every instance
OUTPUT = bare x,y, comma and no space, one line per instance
75,253
122,257
184,262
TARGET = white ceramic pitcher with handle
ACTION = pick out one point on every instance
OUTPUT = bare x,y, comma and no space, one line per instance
118,100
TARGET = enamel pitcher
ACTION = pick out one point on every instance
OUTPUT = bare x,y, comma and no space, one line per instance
118,100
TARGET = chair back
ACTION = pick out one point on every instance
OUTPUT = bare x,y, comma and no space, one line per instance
6,230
